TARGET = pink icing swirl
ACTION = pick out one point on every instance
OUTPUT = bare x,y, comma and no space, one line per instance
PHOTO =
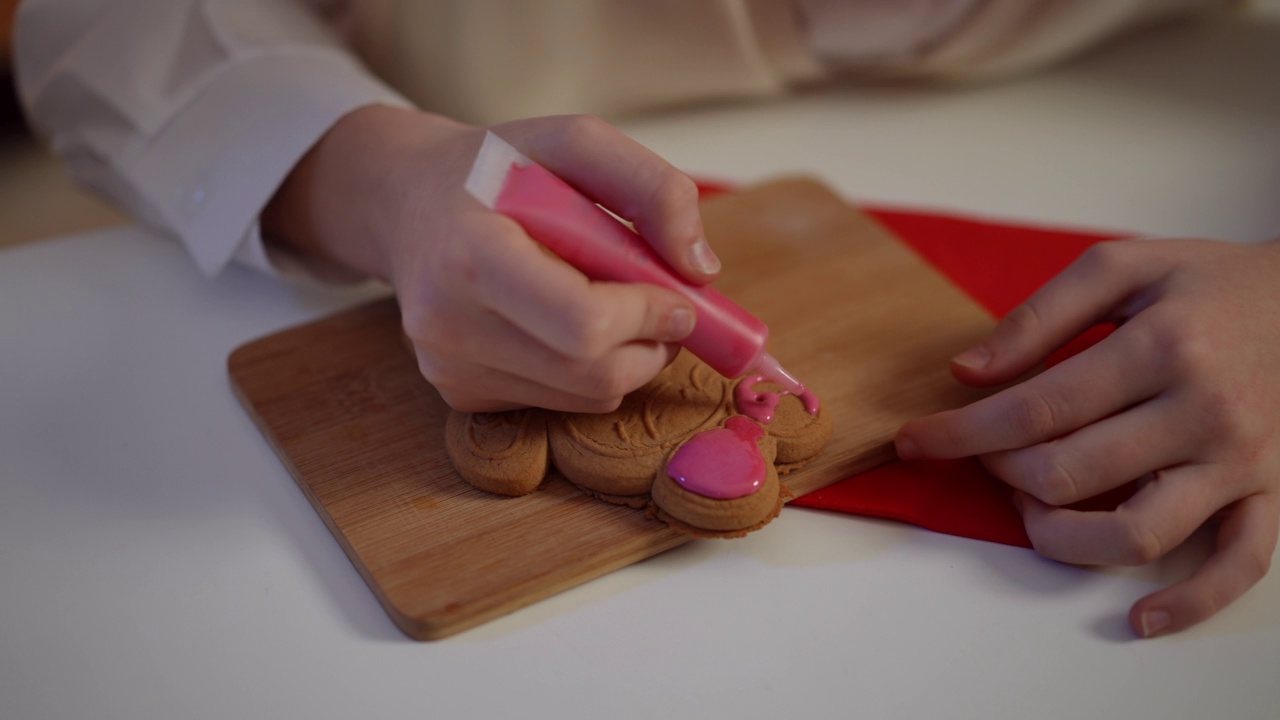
762,406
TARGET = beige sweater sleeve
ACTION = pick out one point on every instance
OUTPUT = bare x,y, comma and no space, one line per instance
490,60
1005,37
486,61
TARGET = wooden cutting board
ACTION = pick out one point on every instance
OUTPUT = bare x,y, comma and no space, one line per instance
852,311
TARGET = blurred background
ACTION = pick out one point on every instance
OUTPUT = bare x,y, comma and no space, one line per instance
36,199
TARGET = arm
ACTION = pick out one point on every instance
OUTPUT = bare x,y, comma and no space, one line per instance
496,322
200,116
188,114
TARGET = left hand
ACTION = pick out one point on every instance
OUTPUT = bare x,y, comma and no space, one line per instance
1184,395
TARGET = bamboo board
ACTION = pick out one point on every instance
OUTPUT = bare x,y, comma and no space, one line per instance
852,311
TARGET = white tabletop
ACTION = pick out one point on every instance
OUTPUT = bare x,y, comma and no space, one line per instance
156,560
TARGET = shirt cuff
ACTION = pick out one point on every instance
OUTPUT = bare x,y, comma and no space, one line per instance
214,168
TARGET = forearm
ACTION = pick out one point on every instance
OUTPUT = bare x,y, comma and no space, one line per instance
188,114
338,201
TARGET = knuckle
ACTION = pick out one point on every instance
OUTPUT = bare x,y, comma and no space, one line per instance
1033,416
1044,542
584,128
1051,479
438,373
1222,420
458,259
1022,320
1180,344
416,321
673,193
1210,599
607,405
450,375
607,382
1043,548
430,327
588,332
1139,544
1104,259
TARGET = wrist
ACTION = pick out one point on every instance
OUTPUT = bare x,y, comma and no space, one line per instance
339,201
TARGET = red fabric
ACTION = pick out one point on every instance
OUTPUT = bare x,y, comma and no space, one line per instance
999,265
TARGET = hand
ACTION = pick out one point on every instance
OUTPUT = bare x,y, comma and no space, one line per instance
1183,395
498,323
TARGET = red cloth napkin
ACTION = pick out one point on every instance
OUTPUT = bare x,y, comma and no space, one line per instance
999,265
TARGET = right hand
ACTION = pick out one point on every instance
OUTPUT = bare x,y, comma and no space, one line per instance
498,323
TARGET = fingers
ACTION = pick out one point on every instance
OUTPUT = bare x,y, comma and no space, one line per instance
1246,542
561,308
628,179
487,340
505,325
1178,389
1090,290
1158,518
529,330
495,391
1100,456
469,387
1045,407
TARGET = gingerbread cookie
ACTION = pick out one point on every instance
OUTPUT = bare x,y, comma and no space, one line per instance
699,451
614,455
720,482
503,453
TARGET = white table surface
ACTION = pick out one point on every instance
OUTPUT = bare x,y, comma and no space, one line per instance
156,560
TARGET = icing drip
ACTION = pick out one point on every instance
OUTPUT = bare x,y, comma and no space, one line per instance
761,406
723,463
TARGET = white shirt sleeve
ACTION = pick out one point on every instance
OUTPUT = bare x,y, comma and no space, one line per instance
188,113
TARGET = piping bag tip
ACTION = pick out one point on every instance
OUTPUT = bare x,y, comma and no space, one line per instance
771,369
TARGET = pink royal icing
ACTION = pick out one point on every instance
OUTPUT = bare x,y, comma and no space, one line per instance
761,406
723,463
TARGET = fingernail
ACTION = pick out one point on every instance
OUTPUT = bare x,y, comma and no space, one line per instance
703,259
679,324
974,358
907,448
1153,621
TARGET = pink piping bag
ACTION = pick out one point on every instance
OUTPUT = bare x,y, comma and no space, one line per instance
555,215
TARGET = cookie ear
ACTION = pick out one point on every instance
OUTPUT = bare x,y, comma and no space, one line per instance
502,453
800,436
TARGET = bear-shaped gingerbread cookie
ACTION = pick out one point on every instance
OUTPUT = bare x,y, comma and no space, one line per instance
696,450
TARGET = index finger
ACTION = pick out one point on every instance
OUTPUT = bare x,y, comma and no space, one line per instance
1082,389
1102,283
